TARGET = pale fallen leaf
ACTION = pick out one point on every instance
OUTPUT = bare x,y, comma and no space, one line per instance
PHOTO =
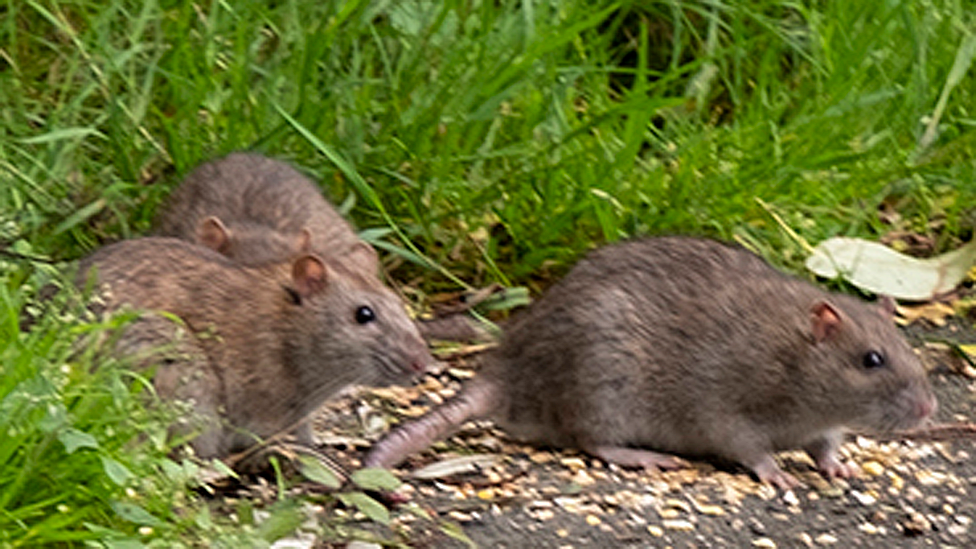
876,268
934,312
453,466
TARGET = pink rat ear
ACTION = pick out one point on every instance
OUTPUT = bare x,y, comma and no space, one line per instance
310,275
213,234
825,320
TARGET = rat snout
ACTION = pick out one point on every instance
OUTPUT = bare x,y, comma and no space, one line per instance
921,403
926,407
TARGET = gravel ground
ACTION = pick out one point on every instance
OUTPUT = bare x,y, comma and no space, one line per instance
915,493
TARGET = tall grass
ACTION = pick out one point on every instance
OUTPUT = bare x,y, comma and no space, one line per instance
501,139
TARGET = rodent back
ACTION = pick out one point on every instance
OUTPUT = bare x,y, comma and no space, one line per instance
666,325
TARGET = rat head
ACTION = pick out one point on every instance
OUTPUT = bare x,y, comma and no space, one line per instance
351,328
864,368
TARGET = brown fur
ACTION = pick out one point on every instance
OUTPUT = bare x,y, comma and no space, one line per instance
257,210
693,347
258,348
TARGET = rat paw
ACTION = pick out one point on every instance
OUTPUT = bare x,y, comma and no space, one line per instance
770,473
834,468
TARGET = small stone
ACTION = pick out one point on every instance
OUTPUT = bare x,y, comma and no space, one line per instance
655,530
680,525
562,532
826,539
764,543
872,468
593,520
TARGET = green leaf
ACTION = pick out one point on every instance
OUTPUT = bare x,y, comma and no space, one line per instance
133,513
73,439
62,134
286,516
375,479
116,471
373,509
314,470
80,216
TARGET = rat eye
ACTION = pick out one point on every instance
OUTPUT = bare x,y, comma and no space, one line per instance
872,360
365,315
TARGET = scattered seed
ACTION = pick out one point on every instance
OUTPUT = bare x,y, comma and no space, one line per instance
872,468
764,543
574,464
868,528
791,499
826,539
680,525
864,499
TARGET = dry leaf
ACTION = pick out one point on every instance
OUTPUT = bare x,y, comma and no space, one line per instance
881,270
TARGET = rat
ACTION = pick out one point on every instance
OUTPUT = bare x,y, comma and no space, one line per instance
254,349
680,345
257,210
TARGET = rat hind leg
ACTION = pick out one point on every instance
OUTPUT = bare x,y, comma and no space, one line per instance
635,457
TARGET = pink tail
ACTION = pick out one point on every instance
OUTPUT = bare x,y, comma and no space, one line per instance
478,398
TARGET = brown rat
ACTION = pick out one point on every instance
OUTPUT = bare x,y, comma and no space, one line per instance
692,347
258,210
255,349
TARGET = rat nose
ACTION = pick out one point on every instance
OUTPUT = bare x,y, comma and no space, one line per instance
926,407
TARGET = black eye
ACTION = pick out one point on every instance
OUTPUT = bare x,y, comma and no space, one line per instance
873,359
364,314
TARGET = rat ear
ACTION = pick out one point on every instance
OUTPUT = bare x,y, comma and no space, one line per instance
825,320
364,257
305,241
309,275
888,306
213,234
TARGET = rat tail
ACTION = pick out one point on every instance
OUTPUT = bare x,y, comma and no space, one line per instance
478,398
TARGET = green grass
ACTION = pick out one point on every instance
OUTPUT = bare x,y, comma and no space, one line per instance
499,139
